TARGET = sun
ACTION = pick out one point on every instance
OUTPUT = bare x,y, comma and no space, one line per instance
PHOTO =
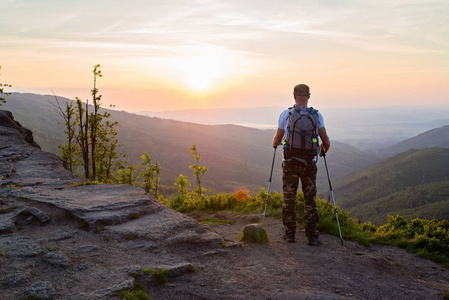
201,72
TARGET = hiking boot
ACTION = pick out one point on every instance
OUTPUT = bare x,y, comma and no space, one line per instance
289,237
314,241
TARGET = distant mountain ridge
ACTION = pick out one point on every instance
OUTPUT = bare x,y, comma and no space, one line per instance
413,184
437,137
237,156
369,129
260,117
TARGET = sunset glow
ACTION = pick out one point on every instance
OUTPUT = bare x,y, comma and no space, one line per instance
201,72
164,55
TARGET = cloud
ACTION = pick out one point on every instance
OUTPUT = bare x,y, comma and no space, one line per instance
375,26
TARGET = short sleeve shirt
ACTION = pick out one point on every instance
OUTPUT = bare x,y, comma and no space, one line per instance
283,120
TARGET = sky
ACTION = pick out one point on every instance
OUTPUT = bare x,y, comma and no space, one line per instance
172,54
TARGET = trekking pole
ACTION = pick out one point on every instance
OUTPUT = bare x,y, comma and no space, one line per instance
269,186
332,195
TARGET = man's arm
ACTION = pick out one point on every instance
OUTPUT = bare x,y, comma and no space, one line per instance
277,139
325,141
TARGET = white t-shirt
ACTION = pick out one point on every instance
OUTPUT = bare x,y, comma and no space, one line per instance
283,120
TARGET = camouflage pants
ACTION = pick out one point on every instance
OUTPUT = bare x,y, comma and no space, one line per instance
292,173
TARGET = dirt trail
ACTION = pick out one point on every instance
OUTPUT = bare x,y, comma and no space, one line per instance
281,270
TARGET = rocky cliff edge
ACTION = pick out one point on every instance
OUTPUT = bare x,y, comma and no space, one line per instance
62,240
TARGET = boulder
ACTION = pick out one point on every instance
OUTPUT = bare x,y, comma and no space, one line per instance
254,233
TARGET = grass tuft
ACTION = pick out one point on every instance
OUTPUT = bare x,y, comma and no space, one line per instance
83,224
135,293
33,297
446,295
134,216
215,221
51,249
160,276
130,236
191,269
7,209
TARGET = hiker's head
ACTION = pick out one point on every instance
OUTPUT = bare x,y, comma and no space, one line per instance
301,93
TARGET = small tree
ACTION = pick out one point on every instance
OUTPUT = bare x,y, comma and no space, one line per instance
147,173
95,136
83,134
157,173
95,120
198,171
150,174
2,88
126,175
70,149
178,202
106,156
183,185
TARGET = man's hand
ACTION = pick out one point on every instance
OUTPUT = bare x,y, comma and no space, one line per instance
323,149
277,139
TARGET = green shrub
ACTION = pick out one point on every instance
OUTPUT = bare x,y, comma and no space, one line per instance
177,203
425,238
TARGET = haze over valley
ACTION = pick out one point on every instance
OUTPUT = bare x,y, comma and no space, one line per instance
370,129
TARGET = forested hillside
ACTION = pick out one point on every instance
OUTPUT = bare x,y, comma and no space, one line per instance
237,156
412,184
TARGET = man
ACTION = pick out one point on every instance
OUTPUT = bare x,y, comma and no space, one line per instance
297,166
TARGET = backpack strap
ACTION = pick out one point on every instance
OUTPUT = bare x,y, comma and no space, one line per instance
289,130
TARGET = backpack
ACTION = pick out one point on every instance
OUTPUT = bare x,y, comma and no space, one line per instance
301,139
